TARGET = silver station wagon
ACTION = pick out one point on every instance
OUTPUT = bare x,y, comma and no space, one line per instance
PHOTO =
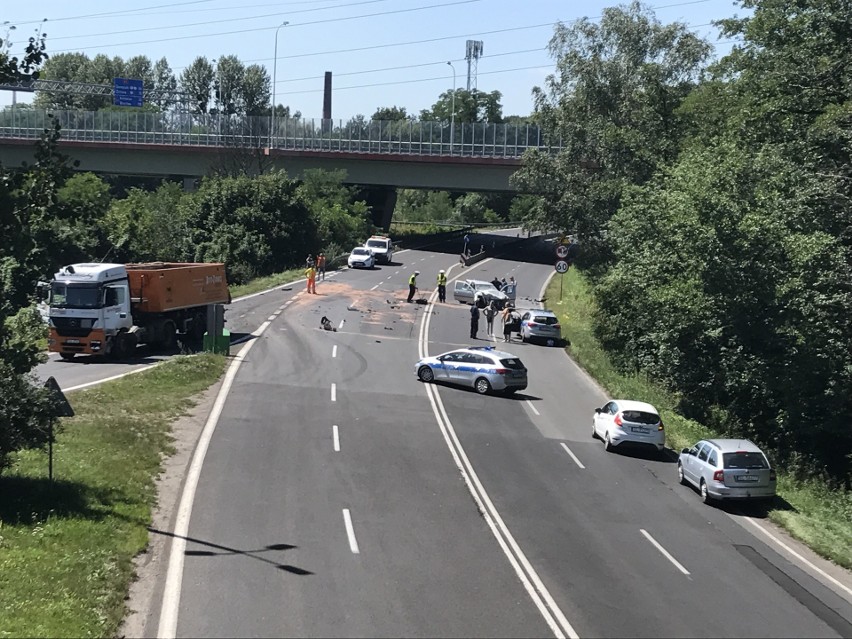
727,469
481,367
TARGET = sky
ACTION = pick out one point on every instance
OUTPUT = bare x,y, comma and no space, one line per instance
381,53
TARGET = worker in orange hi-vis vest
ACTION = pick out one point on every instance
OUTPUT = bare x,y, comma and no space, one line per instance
311,274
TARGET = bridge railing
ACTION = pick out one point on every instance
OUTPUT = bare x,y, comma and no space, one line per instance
405,137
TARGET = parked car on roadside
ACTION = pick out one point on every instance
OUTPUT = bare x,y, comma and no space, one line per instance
540,324
361,257
483,368
624,421
727,469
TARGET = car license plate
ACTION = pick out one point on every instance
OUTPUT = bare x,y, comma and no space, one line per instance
72,341
517,374
747,478
639,429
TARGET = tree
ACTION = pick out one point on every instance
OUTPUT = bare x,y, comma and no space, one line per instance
165,85
612,101
470,106
388,114
255,91
197,81
342,220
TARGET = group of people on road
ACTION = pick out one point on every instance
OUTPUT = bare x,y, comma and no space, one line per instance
510,316
314,267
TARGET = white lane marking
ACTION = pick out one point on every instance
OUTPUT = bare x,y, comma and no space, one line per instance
336,437
530,404
538,592
350,531
573,456
342,322
174,574
109,379
389,276
397,273
333,392
271,317
665,552
334,351
792,552
375,287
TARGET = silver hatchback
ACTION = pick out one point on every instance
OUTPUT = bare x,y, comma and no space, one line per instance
483,368
727,469
540,324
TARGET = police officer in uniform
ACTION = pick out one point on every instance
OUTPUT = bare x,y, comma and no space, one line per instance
442,286
412,285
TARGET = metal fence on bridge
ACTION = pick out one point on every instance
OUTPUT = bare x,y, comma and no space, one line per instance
401,137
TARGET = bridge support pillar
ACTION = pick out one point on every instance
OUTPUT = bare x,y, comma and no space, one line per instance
381,200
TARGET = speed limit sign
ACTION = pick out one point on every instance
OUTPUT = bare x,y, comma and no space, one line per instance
561,266
561,251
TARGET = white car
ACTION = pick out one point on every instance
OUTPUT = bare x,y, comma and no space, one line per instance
624,421
361,257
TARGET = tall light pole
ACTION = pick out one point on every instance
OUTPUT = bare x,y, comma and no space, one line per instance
453,107
274,78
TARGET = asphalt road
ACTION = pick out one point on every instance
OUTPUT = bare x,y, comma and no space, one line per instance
331,500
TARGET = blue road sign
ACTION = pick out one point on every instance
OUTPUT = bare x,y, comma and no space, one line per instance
127,92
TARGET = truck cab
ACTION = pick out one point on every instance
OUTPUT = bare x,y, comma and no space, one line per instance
89,305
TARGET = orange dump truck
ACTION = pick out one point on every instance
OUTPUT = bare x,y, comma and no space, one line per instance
107,309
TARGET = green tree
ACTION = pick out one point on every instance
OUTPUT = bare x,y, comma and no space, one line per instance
342,220
256,91
165,85
388,114
197,82
470,106
612,102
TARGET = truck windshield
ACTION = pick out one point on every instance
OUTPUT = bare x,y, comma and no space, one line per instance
64,295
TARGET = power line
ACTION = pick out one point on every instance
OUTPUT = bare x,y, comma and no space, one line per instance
229,20
291,26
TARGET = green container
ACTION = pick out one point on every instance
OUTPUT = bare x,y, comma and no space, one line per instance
220,344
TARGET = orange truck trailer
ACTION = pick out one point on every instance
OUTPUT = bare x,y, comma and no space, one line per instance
107,309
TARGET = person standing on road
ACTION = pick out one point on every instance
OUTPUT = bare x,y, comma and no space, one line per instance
508,322
311,275
412,285
310,260
442,286
490,313
321,265
474,321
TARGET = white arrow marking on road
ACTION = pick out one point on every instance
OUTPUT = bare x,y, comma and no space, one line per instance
665,552
573,456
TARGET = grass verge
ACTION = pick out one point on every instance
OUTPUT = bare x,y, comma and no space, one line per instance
813,514
66,549
267,282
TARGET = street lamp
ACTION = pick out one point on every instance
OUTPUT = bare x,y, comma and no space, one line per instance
453,107
274,78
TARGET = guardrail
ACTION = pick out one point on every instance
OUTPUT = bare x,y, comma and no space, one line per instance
405,137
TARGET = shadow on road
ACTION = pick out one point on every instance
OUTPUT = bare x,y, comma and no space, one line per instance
227,550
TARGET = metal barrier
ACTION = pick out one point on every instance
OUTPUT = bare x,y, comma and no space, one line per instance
401,137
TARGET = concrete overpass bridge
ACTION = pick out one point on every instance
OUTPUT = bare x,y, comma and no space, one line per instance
381,156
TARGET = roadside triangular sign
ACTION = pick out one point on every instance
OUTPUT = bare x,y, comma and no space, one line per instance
61,405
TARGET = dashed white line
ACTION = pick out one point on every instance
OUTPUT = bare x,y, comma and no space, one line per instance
277,313
665,552
334,351
573,456
530,404
389,276
397,273
350,532
333,392
375,287
340,326
271,317
336,437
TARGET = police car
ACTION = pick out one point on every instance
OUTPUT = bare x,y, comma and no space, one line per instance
482,368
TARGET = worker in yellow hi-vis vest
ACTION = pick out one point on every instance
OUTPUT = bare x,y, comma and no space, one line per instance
311,274
442,286
412,285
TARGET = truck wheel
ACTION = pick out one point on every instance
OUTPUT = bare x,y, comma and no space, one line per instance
124,346
169,336
67,356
